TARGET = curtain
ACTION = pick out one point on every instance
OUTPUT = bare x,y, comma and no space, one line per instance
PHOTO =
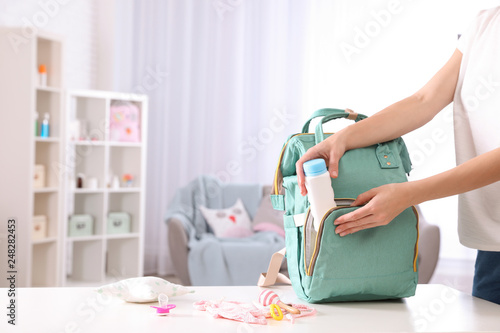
229,80
224,81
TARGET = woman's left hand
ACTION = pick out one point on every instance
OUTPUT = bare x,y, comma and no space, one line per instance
383,204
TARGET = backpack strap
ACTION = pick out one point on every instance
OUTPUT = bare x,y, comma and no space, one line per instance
277,193
333,114
348,114
273,275
322,113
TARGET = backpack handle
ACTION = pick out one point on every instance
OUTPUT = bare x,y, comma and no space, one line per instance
348,114
334,114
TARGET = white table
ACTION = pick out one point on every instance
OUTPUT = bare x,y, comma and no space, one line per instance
434,308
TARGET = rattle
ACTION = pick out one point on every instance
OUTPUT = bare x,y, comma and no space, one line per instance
268,297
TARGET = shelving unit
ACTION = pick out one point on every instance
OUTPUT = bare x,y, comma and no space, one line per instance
94,259
102,257
38,261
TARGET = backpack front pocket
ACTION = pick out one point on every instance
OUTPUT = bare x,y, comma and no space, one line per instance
373,263
312,238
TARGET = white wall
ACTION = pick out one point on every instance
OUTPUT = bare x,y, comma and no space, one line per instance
74,19
396,61
399,57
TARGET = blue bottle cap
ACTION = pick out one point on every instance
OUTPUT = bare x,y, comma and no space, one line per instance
314,167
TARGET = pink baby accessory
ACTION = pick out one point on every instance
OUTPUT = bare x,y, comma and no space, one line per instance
250,313
268,297
305,311
124,122
163,307
244,312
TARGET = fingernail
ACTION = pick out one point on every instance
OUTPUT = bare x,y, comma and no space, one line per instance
343,234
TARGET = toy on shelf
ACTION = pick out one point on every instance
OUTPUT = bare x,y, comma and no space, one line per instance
164,308
127,179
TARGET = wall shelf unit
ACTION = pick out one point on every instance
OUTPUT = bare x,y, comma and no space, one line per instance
103,257
38,261
28,158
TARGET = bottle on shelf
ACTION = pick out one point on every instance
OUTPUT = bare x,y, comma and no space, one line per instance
45,126
42,74
319,189
36,123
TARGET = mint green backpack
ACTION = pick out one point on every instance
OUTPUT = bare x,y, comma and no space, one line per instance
372,264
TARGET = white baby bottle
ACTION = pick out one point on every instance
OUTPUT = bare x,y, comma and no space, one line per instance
319,189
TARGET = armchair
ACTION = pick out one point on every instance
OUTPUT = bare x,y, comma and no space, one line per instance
200,258
428,248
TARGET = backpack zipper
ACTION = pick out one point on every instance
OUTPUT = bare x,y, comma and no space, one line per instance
320,233
418,237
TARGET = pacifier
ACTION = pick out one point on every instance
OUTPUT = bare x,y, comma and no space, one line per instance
164,308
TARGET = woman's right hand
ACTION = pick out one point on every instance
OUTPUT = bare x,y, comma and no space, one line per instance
331,150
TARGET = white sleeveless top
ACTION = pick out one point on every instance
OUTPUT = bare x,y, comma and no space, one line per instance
477,127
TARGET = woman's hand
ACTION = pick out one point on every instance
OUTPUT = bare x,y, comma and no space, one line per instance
331,150
383,204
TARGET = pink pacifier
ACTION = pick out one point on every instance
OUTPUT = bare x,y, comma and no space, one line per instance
163,308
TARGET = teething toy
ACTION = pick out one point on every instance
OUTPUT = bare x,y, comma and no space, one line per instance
273,309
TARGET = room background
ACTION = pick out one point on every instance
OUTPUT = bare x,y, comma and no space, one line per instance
229,80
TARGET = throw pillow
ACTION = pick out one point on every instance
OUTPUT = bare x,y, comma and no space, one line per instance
228,222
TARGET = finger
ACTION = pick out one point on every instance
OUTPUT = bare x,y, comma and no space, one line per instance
364,198
333,165
354,224
300,176
354,216
359,228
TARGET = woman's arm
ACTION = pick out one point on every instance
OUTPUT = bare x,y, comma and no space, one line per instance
392,122
388,201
